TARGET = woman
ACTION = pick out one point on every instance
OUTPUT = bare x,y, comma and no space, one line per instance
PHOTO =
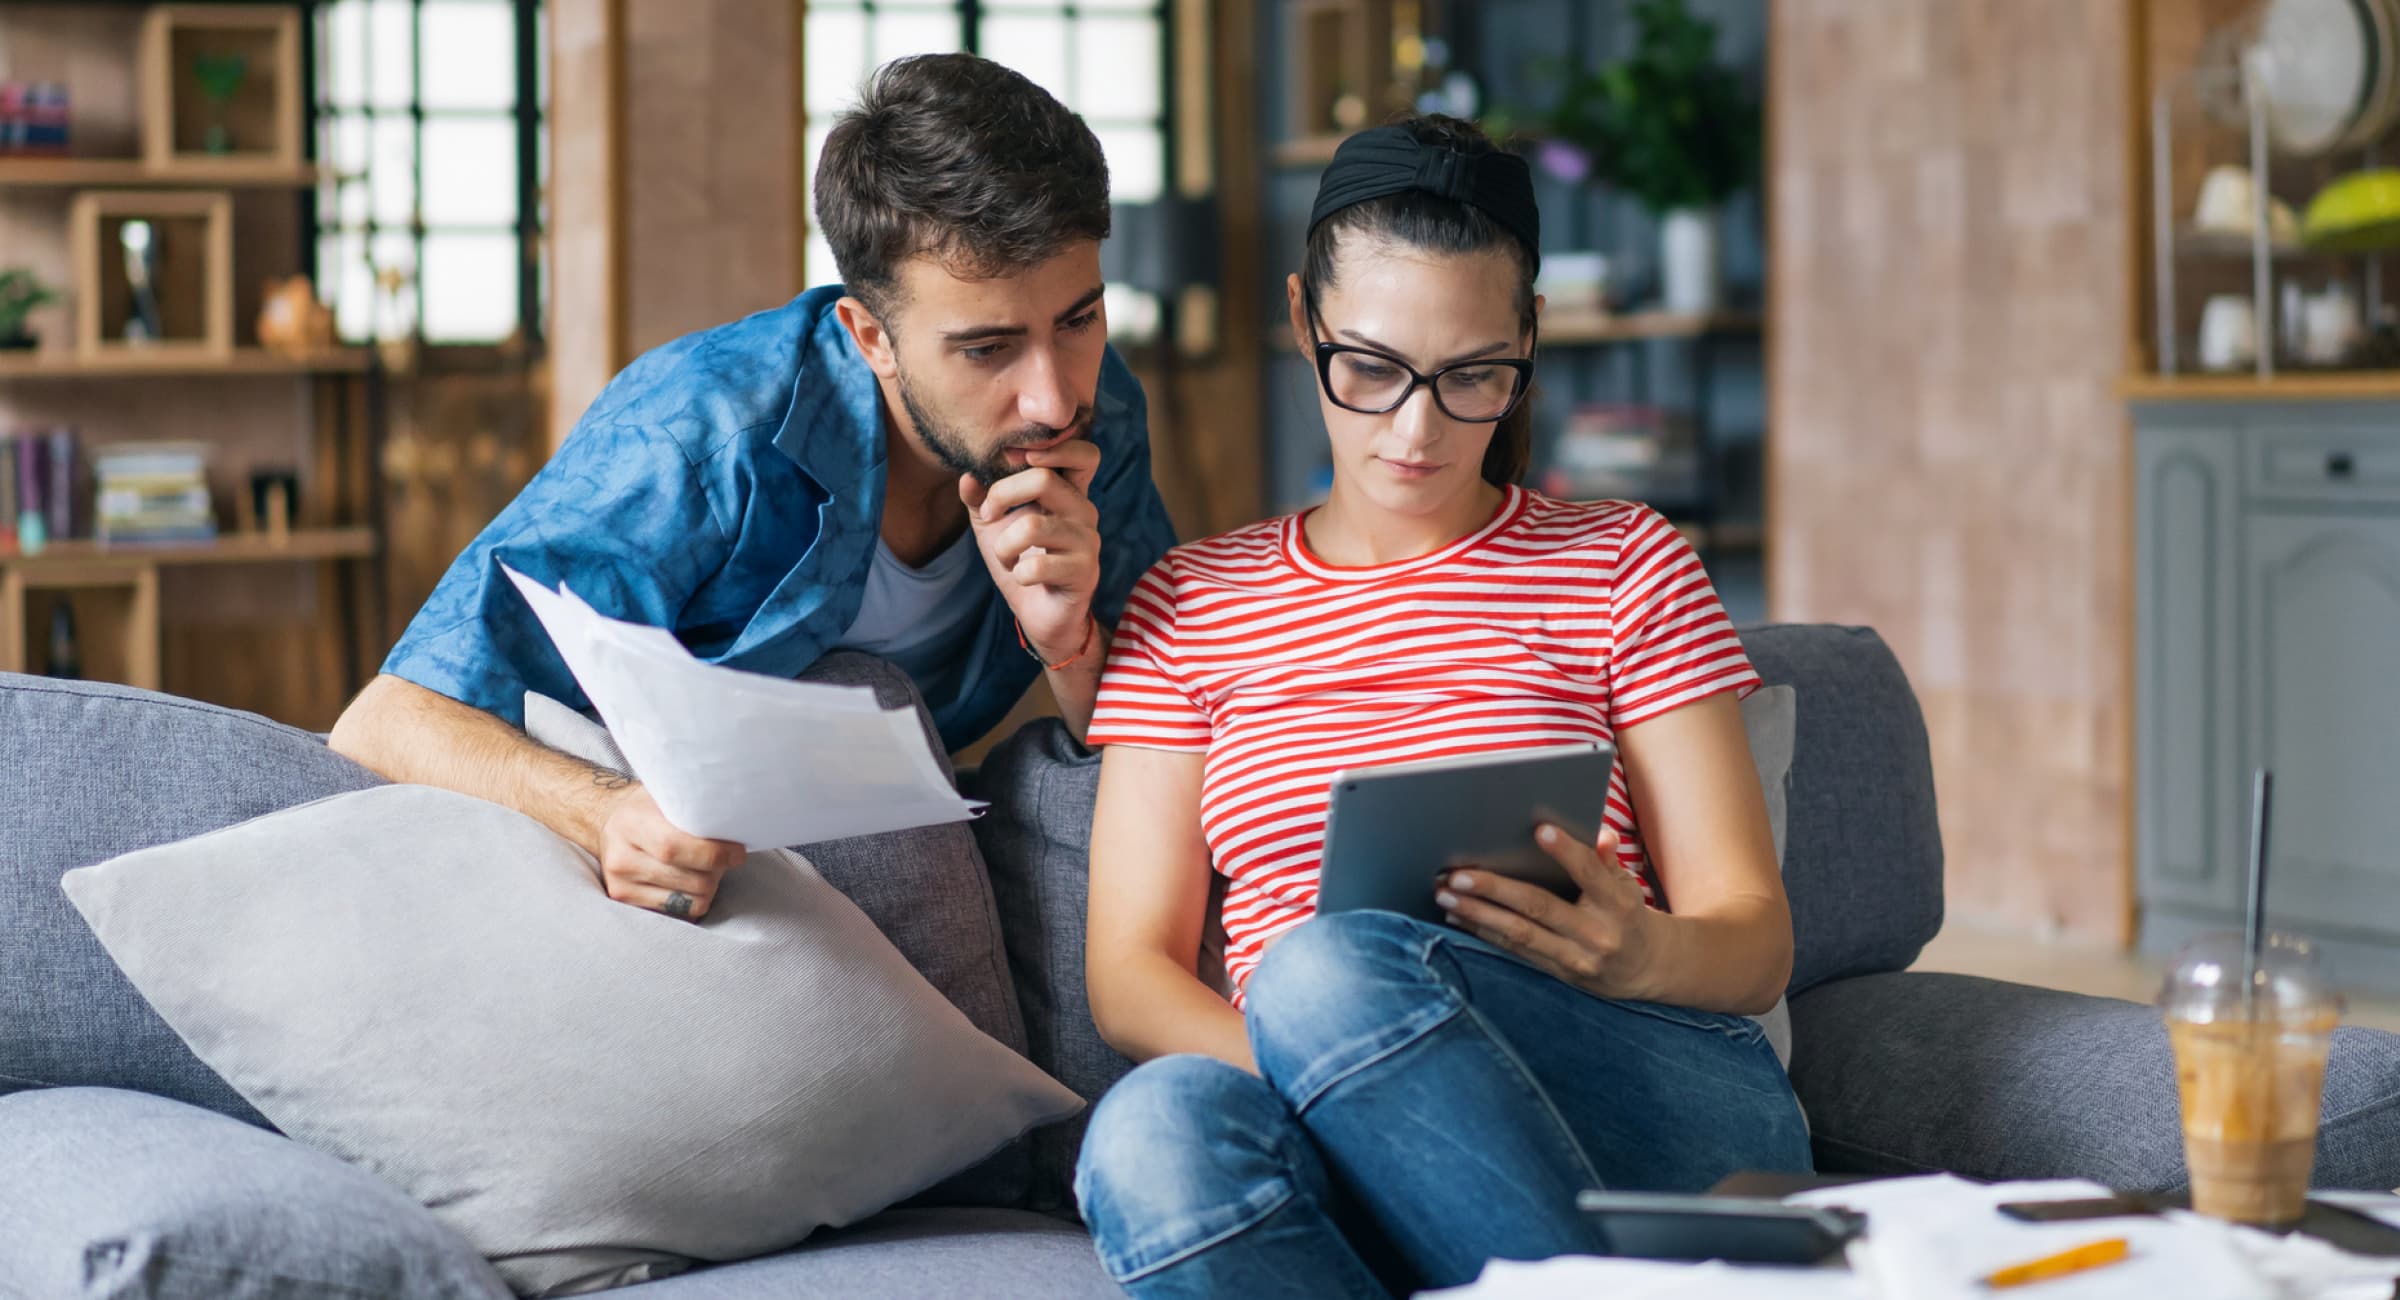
1383,1103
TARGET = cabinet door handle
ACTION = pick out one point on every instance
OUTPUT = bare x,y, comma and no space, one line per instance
2340,465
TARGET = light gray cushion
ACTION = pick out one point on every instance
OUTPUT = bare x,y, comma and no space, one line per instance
970,1254
439,989
1913,1071
92,771
131,1197
1042,786
1863,859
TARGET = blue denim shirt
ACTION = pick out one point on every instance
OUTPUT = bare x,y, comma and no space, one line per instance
728,486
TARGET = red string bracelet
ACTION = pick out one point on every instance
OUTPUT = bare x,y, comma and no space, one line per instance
1091,632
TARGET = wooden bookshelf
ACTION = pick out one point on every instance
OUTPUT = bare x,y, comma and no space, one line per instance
2246,386
301,544
66,364
1611,327
131,173
123,642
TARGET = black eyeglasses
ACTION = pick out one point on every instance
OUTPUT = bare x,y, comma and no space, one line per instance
1376,383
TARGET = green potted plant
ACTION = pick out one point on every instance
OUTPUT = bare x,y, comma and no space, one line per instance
20,293
1675,129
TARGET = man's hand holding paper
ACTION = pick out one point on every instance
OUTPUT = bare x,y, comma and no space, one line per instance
730,761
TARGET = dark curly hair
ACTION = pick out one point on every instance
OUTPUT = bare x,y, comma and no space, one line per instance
960,158
1433,224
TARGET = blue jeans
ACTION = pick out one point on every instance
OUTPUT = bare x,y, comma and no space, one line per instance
1428,1102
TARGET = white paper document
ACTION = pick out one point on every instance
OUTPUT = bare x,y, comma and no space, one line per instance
1934,1237
1587,1277
731,755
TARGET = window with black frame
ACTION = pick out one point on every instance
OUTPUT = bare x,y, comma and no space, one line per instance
1105,59
429,113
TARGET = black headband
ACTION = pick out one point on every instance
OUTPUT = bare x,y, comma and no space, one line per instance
1391,160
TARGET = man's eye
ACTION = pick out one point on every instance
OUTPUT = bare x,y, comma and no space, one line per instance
1085,321
981,352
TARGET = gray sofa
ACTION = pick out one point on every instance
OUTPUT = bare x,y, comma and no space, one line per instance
133,1171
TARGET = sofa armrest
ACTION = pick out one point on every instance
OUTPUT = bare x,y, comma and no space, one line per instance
1916,1071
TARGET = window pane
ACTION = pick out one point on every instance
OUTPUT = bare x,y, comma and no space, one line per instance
470,171
1049,6
395,258
347,284
817,262
836,58
391,171
391,54
1117,68
342,65
470,287
1137,162
821,269
470,54
1033,44
541,57
342,145
1133,315
903,33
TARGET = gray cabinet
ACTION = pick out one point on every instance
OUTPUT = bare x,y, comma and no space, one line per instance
2186,758
2321,690
2267,630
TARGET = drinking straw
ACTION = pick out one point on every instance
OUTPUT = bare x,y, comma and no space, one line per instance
2262,789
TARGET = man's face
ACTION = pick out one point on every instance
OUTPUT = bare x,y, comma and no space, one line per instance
988,369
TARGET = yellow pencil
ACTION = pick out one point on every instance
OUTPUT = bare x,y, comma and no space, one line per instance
2097,1254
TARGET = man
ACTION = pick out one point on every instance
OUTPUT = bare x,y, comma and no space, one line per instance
947,467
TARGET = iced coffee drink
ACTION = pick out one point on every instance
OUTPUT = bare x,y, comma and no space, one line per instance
2250,1068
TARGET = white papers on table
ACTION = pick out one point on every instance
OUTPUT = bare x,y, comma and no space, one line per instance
1933,1238
1583,1277
730,755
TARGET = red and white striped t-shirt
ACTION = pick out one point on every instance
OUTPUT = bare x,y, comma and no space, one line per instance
1555,622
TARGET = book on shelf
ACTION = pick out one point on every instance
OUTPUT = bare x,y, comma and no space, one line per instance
38,501
152,492
1622,450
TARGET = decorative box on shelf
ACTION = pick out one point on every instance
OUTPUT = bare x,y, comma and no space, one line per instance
221,89
153,275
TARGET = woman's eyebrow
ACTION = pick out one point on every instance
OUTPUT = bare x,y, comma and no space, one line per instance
1380,346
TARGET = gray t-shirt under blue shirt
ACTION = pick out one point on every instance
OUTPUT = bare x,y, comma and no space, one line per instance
921,619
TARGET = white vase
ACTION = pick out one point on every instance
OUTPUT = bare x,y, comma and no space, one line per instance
1687,241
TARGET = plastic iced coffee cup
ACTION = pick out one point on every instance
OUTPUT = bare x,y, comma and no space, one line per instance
2250,1068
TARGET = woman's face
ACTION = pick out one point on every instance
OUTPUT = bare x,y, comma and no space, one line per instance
1429,310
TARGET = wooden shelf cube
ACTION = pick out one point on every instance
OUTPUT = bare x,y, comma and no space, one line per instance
192,232
116,620
1342,50
187,132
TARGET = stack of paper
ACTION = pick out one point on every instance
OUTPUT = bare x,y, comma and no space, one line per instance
1935,1238
1586,1277
729,755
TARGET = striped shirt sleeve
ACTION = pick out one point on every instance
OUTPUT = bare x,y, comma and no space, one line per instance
1144,700
1671,642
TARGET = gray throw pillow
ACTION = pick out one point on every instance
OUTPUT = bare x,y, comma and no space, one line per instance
134,1197
439,990
925,890
1037,838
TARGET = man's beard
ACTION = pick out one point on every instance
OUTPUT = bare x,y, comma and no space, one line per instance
958,454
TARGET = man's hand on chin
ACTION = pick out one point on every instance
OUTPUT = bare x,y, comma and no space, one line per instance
1040,537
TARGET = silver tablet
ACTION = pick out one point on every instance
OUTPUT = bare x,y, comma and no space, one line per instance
1393,830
